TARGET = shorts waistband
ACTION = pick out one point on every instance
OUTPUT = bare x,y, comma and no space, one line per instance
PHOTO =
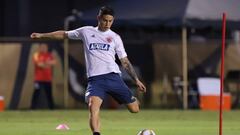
103,76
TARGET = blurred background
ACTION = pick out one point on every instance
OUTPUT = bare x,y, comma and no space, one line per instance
174,47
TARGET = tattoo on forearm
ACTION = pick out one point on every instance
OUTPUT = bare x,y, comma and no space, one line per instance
130,70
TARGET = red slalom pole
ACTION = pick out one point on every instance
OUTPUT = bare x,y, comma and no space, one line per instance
222,71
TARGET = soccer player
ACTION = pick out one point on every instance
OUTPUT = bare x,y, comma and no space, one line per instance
100,46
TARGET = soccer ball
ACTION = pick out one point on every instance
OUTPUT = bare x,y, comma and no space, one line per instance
146,132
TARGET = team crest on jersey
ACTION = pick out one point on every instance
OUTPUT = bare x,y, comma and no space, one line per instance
109,39
99,46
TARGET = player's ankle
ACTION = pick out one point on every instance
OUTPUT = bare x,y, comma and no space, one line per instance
96,133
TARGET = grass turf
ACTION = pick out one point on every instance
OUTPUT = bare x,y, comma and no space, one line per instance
119,122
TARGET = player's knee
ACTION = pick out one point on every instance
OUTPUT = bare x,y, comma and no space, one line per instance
94,106
134,109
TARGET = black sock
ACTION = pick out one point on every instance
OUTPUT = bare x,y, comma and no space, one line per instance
96,133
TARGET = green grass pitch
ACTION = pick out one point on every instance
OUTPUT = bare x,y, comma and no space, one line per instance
119,122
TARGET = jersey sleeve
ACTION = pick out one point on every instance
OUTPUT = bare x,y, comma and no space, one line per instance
120,50
75,34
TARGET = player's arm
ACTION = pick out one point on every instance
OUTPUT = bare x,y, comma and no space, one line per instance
52,61
37,62
130,70
51,35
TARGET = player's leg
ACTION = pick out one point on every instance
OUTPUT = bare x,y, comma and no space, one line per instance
36,94
94,96
134,106
94,104
48,91
122,94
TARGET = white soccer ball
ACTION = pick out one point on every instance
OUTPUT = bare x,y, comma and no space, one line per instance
146,132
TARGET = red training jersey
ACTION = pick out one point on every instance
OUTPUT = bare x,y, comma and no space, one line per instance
40,73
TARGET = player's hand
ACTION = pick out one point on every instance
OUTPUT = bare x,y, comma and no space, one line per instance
42,65
51,62
140,86
36,35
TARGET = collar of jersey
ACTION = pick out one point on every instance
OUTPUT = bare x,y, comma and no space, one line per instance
102,31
